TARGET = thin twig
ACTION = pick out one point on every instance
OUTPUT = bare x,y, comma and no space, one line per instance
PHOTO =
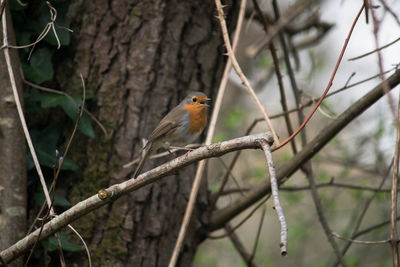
376,29
373,227
79,116
362,242
310,102
83,242
366,4
321,215
160,155
364,211
333,184
2,7
49,26
56,175
22,119
219,218
375,50
329,83
277,72
46,89
275,197
292,79
210,134
260,224
291,13
248,216
215,198
20,110
239,71
394,238
388,9
247,258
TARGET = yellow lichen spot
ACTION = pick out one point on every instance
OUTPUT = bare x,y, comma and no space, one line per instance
102,194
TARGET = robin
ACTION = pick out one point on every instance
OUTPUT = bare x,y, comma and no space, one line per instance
180,127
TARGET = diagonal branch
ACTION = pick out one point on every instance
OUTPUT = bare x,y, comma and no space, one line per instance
210,133
104,196
239,71
394,237
224,215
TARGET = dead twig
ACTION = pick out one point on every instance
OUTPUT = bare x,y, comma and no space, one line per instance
117,190
260,224
2,7
46,89
210,134
362,242
220,217
239,70
364,211
329,83
394,238
333,184
376,29
274,191
247,258
83,242
278,73
248,216
375,50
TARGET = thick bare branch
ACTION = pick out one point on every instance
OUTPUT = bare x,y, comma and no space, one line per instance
104,196
222,216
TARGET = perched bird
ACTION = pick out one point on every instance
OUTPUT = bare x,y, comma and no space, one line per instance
180,127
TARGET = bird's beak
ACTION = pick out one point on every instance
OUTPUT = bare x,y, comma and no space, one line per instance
203,102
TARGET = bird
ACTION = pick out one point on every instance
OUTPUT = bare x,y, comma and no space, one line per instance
180,127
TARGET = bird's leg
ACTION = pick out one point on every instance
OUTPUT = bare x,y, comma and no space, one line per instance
181,148
167,146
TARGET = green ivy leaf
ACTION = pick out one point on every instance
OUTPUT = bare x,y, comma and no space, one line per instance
51,244
59,200
45,143
40,68
16,6
71,108
62,33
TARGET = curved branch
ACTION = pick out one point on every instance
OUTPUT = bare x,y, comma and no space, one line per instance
104,196
221,217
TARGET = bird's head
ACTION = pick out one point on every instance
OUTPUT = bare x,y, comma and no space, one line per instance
196,100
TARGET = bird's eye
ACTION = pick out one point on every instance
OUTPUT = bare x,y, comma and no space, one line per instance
194,99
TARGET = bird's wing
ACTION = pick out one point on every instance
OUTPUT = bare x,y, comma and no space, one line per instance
168,124
162,129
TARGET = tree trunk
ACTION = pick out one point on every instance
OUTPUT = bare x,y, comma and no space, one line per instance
139,58
12,154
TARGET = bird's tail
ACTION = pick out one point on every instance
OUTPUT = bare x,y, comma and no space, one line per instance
145,155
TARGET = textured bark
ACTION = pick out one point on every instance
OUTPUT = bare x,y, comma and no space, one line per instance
139,58
12,155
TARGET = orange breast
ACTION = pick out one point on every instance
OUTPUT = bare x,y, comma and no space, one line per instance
197,118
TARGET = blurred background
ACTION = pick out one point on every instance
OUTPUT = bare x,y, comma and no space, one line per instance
360,155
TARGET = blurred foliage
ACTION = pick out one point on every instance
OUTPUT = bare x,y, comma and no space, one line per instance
51,244
46,147
264,61
59,201
234,118
47,132
71,108
258,174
